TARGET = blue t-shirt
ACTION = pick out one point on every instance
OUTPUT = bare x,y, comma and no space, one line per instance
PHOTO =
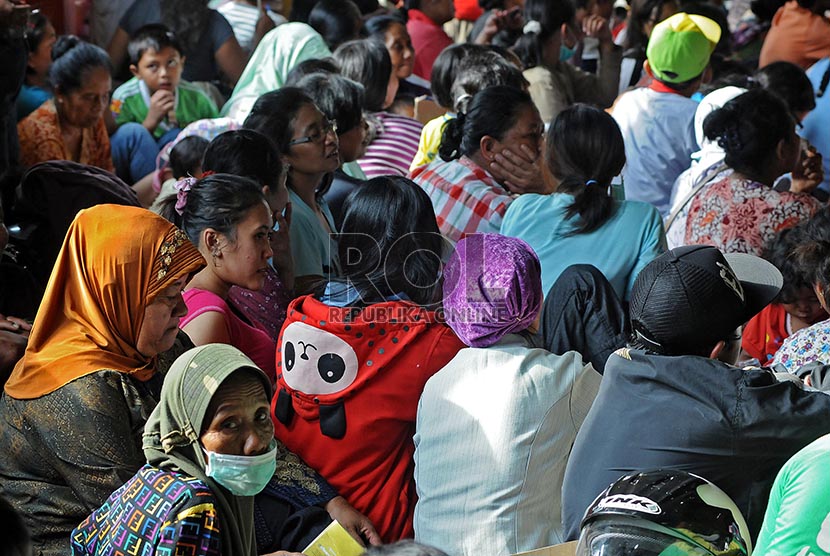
30,99
200,64
630,239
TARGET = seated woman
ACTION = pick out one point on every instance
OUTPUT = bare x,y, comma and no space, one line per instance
308,143
495,426
210,46
741,212
546,45
467,193
394,137
74,407
354,357
581,223
71,126
210,447
341,100
229,219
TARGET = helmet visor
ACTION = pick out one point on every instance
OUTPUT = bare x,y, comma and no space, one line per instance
604,538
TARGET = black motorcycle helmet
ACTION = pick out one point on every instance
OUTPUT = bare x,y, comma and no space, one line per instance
663,513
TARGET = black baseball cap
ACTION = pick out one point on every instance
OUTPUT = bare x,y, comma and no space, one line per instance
695,296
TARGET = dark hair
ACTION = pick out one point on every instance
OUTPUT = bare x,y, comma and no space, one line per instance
377,26
151,37
781,250
641,12
481,69
446,68
550,14
368,63
491,4
337,21
813,254
338,97
585,150
186,156
404,548
218,201
16,537
273,115
789,82
397,255
307,67
274,112
36,32
765,9
748,128
72,60
246,153
187,18
492,112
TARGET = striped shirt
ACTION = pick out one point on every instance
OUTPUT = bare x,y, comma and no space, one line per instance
394,146
243,18
465,197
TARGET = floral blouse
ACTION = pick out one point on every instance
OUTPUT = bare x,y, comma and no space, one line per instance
741,216
41,140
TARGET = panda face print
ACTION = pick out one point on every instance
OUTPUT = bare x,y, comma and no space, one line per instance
315,361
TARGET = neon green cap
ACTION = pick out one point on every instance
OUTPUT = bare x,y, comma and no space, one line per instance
680,46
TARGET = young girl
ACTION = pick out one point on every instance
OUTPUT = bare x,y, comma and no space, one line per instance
228,218
796,307
36,90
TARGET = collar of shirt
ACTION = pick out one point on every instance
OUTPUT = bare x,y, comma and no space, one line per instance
658,87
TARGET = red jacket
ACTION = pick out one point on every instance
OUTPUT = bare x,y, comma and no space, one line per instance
428,40
347,398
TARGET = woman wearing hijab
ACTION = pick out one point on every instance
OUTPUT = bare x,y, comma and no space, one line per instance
496,424
74,406
210,448
276,55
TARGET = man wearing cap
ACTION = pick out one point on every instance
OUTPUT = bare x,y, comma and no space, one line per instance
674,399
657,122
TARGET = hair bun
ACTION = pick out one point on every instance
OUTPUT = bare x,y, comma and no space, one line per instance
64,44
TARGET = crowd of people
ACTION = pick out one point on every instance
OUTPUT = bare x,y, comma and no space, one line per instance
465,277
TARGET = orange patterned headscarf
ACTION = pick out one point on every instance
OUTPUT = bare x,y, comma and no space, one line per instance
114,261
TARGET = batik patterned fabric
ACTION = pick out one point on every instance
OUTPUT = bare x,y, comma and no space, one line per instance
805,346
155,513
741,216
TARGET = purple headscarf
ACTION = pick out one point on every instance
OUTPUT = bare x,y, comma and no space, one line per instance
492,287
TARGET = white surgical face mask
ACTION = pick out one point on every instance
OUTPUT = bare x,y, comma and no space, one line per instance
242,475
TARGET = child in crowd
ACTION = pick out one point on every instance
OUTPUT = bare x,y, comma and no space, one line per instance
185,161
36,89
156,96
657,122
796,307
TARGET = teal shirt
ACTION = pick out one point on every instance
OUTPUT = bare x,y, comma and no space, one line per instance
797,521
313,250
630,239
131,103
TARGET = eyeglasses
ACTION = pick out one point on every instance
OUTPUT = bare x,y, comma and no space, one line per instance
318,136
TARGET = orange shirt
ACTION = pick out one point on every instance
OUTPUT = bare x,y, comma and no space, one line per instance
41,140
797,35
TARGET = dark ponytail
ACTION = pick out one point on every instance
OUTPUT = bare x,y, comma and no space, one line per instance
549,15
585,150
451,138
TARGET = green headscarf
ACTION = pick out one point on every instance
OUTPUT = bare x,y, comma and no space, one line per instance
171,435
278,53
